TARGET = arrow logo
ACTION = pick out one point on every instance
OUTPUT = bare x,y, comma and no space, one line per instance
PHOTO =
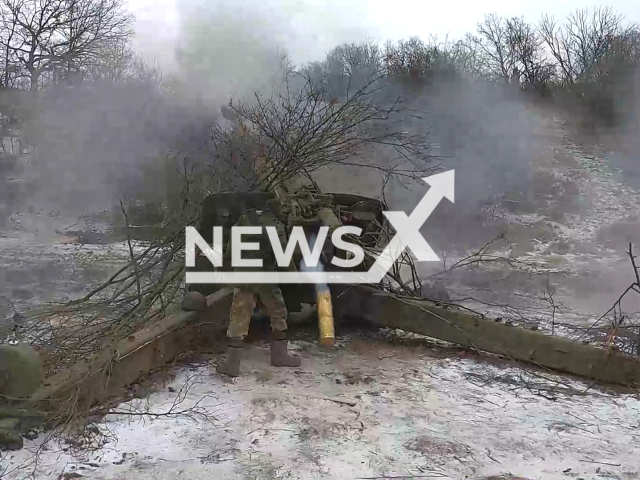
408,228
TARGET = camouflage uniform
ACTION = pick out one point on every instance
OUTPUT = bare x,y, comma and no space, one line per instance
247,296
244,303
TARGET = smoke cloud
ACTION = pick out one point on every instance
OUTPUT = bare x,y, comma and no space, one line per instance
94,143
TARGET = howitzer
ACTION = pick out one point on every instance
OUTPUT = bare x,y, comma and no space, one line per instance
298,202
303,205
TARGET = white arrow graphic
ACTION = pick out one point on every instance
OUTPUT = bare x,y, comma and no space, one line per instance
408,228
407,236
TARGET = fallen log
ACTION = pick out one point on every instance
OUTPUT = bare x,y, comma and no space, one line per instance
454,326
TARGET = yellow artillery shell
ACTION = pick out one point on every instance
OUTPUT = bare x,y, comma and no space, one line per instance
325,319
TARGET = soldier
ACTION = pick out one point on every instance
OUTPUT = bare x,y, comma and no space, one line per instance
246,297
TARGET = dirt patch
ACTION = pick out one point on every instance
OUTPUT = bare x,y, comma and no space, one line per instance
435,449
521,234
502,477
618,235
379,349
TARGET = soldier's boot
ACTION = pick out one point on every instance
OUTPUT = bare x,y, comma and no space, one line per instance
231,366
279,355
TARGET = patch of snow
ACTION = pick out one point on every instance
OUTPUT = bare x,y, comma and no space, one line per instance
413,414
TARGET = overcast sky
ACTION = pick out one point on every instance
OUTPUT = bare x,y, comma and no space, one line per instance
308,28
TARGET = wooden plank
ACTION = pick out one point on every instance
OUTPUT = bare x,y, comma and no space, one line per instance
454,326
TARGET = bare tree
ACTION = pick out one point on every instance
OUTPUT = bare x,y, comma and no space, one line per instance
467,57
413,57
347,59
592,37
7,34
61,37
315,72
94,29
348,65
525,46
114,64
582,41
302,130
451,54
493,42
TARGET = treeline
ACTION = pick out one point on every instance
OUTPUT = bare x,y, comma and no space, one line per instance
48,45
53,41
591,59
62,43
592,53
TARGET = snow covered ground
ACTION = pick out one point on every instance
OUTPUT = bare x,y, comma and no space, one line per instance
38,265
369,409
573,236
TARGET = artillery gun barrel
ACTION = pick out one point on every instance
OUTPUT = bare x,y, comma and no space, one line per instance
329,219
